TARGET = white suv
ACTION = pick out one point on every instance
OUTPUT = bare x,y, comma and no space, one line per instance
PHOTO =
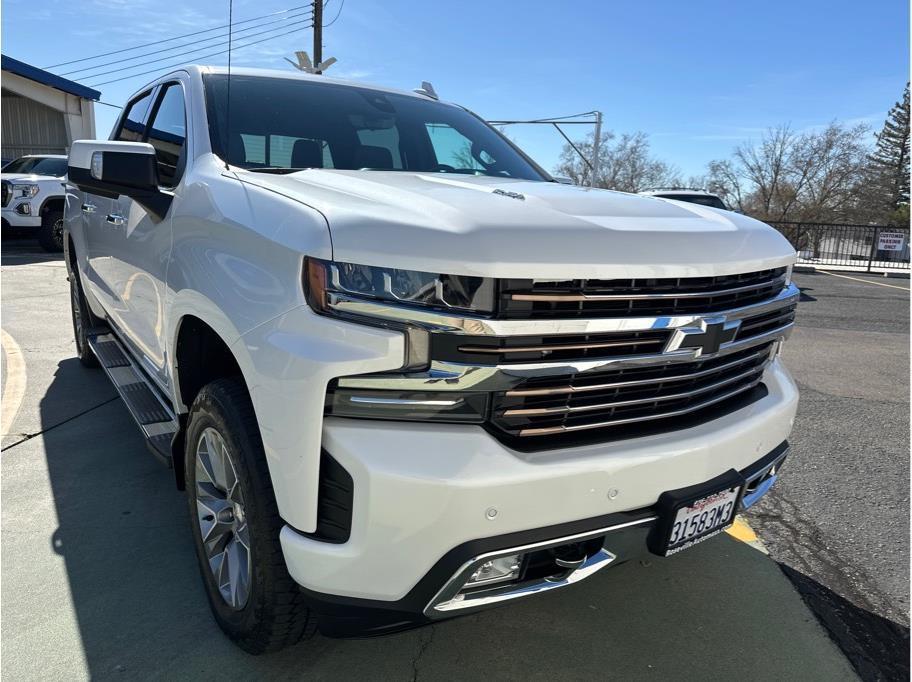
400,371
32,197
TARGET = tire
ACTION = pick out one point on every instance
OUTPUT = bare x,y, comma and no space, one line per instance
82,321
50,234
243,512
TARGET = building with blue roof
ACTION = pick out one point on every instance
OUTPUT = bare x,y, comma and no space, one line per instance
42,113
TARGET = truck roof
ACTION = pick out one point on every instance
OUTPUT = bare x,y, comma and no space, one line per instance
290,74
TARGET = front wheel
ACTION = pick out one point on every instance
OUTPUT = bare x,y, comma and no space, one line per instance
50,234
236,524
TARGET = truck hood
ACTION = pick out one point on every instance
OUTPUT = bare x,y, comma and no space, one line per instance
497,227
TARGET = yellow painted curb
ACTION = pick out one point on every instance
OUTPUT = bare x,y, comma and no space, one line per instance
742,532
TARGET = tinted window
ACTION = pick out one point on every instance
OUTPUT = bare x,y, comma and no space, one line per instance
167,133
37,166
356,128
132,128
452,148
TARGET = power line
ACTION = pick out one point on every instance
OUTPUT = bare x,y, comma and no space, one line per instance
185,35
341,5
177,47
197,49
203,56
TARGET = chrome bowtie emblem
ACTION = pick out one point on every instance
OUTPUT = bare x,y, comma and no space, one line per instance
708,337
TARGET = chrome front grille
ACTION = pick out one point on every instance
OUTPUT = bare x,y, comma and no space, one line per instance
610,399
635,297
641,357
5,192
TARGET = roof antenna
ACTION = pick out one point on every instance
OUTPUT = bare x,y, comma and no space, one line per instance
228,107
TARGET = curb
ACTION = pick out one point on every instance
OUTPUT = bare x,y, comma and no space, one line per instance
742,532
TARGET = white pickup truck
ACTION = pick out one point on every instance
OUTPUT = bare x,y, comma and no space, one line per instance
33,198
403,374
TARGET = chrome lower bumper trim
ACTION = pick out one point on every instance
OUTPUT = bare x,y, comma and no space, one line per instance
449,598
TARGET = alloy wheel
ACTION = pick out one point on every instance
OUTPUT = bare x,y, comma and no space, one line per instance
57,233
222,518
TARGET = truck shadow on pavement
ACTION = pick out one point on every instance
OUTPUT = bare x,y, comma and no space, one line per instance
722,608
25,252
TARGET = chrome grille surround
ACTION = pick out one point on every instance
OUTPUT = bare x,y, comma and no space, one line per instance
542,391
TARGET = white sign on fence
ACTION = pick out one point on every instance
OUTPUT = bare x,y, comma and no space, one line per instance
891,241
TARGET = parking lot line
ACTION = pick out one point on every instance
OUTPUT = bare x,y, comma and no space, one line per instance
14,384
866,281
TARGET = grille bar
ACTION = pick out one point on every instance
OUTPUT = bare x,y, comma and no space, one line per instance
567,409
569,428
556,347
562,390
583,297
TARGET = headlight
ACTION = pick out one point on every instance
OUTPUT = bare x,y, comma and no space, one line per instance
453,293
24,191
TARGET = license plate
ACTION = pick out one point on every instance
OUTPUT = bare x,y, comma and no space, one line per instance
690,515
702,519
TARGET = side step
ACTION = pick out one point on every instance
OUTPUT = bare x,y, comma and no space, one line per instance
154,417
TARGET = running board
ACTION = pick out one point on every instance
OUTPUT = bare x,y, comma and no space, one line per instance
154,417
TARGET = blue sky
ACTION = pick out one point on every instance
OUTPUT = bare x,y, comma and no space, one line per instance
698,77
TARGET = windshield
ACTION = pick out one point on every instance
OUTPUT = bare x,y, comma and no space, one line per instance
283,123
37,165
702,199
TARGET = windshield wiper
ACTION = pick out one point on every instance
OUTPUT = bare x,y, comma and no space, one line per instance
277,170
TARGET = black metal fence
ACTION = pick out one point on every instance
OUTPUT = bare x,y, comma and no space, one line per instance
870,247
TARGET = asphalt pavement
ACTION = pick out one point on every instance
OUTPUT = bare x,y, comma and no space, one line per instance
100,580
838,520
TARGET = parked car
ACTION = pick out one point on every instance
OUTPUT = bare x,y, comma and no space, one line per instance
690,195
33,198
401,373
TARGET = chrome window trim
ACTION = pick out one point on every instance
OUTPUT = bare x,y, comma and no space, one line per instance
436,321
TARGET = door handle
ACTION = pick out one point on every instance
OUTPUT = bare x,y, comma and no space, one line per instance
88,208
115,219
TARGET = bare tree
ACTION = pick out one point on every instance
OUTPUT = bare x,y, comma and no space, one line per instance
625,164
811,176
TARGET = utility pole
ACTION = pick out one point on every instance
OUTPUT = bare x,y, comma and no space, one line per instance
318,33
596,145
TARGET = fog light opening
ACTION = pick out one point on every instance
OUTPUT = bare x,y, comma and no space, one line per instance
500,570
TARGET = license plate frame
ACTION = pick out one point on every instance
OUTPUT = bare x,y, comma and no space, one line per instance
673,501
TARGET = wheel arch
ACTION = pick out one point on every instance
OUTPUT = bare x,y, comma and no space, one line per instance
200,355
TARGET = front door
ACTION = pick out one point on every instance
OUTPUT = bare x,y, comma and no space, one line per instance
102,221
142,247
135,247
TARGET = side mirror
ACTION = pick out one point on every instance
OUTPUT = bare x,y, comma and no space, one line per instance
111,169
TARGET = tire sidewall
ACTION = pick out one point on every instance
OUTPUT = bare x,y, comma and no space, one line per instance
51,239
78,301
209,411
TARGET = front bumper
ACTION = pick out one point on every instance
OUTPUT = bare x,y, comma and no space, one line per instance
14,218
618,537
422,490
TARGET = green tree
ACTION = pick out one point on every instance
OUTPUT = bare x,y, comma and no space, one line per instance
889,165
